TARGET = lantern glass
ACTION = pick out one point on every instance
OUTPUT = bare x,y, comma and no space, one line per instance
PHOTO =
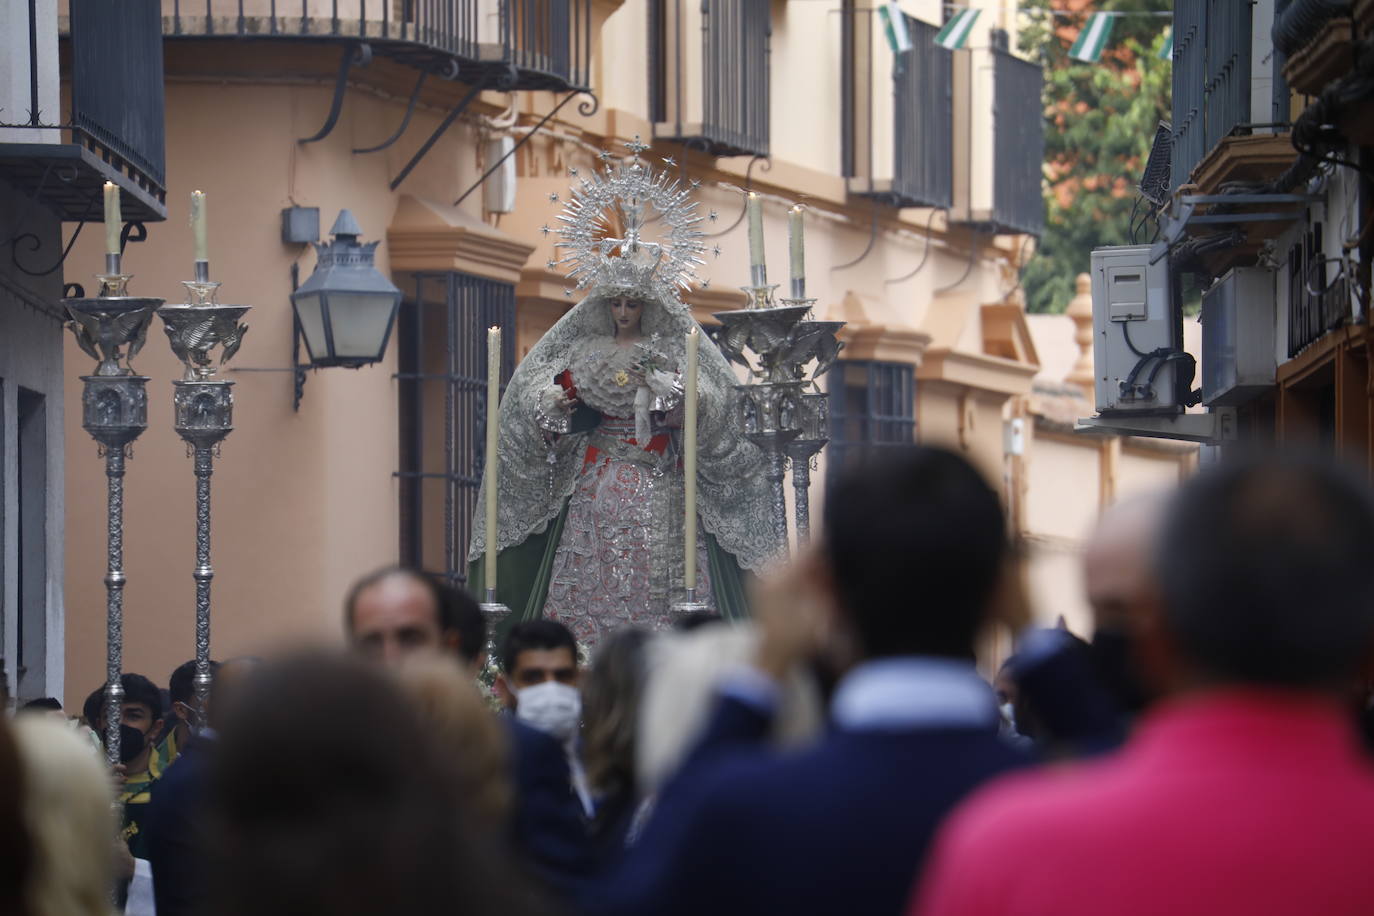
360,322
310,312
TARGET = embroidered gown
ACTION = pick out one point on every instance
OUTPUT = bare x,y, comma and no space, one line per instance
619,559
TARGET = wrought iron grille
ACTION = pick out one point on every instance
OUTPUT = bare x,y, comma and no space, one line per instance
872,404
1018,144
1211,79
923,90
547,42
117,94
442,338
735,37
1315,305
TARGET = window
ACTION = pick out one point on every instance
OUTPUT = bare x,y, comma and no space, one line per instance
727,112
441,333
871,404
1018,144
922,86
24,497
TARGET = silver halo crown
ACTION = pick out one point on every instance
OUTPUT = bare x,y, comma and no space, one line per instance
631,265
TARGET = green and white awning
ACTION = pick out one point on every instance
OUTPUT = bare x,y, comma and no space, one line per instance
1093,39
956,32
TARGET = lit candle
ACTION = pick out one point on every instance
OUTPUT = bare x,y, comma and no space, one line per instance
689,462
755,208
797,249
198,226
493,426
113,221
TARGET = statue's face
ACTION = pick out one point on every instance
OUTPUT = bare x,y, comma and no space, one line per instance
626,314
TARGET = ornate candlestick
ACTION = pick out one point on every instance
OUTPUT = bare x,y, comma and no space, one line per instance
114,409
203,409
814,417
768,416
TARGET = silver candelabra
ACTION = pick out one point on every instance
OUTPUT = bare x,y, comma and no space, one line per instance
111,328
776,412
203,410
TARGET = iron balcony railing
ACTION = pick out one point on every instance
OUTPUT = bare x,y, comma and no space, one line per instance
529,44
1317,301
1211,79
923,89
1018,204
113,127
733,119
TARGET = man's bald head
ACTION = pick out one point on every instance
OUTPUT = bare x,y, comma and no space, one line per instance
1118,564
396,611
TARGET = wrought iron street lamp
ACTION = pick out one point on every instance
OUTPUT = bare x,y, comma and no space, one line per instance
346,308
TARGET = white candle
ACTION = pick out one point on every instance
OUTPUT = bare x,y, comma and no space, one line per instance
493,427
797,249
755,208
689,462
113,221
198,226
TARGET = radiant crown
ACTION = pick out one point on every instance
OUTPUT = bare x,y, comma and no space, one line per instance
630,197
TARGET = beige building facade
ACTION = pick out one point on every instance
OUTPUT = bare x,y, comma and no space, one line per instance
373,468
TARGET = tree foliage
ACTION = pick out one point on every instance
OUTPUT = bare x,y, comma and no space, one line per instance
1100,120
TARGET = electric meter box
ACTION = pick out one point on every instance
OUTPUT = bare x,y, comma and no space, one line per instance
1238,325
1136,329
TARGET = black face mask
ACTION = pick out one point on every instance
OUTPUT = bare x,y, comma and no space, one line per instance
131,742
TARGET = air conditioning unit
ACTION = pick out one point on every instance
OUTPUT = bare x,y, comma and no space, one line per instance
1139,363
1238,328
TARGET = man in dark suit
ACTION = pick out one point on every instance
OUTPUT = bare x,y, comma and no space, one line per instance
175,823
908,570
394,612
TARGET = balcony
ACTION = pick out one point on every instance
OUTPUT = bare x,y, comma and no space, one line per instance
711,94
1018,144
515,44
114,131
1211,84
921,171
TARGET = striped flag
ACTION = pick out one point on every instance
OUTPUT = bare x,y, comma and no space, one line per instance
955,33
1088,47
894,26
1167,51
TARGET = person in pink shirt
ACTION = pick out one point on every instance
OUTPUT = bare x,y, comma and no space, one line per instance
1245,789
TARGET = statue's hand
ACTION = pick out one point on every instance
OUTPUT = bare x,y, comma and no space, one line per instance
554,411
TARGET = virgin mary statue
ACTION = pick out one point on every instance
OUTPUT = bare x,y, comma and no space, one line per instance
590,472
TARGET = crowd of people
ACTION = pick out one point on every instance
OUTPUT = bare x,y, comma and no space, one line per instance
1202,752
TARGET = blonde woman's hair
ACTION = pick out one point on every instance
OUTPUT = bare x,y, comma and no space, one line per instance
685,671
68,807
468,733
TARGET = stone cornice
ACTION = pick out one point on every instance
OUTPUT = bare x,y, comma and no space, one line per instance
976,370
425,236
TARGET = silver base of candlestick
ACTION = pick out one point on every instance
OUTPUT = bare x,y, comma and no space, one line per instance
688,606
495,614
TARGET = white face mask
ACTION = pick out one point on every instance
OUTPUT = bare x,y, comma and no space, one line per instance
1008,715
551,707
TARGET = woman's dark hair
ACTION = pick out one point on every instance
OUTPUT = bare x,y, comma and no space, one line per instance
330,796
